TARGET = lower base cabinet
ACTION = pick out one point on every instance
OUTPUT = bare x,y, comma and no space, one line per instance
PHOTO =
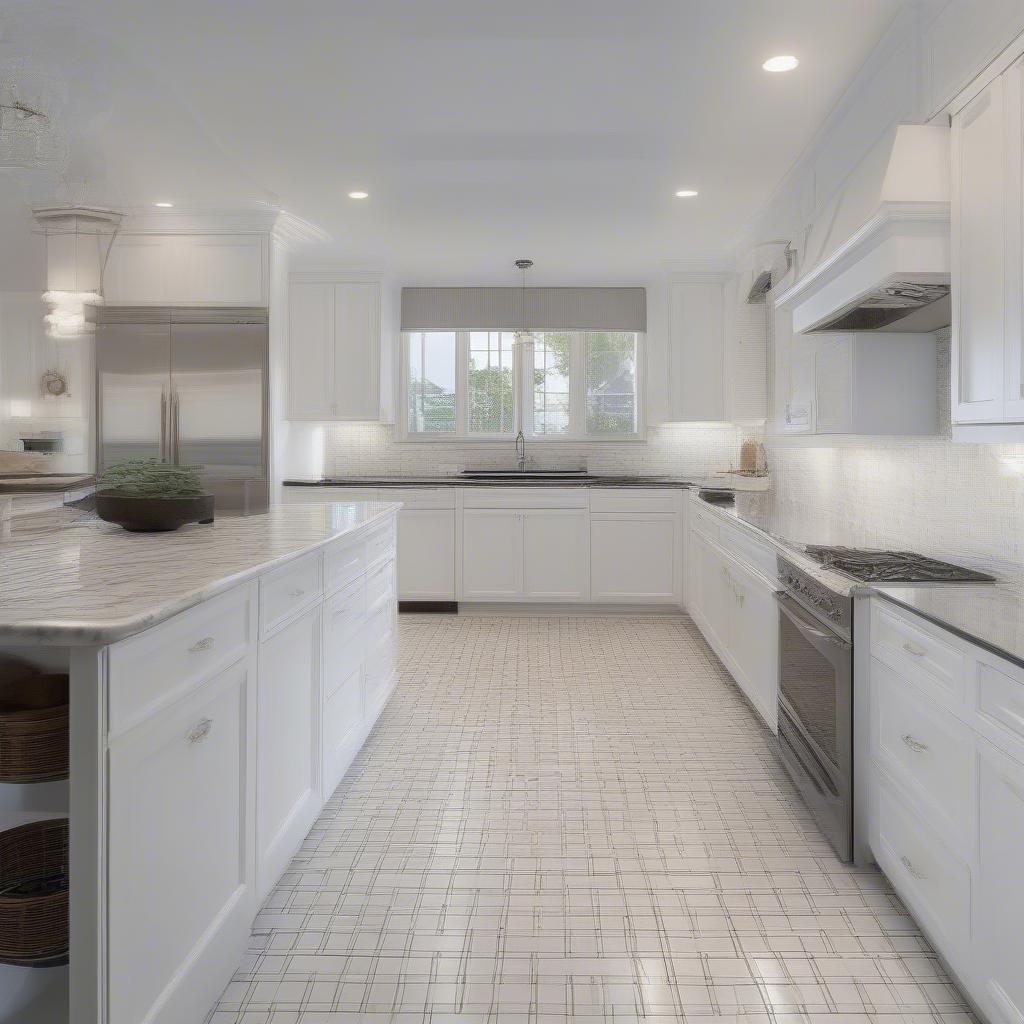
556,555
735,609
634,558
287,782
946,799
181,891
426,554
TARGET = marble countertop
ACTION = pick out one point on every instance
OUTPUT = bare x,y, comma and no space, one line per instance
90,583
596,480
42,483
990,615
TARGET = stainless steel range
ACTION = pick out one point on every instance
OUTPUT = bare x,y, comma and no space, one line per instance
816,671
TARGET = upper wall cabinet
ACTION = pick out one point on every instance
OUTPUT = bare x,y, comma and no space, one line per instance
988,263
334,365
717,351
188,269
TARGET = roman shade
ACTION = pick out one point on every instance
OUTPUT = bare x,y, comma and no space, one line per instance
511,309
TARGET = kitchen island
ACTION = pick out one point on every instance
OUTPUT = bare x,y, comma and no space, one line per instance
222,678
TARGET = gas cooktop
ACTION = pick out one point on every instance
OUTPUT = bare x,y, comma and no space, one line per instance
892,566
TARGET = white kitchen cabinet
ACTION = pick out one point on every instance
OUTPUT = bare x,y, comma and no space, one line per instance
288,710
226,269
426,554
492,554
946,797
697,347
794,376
1001,896
634,557
988,260
334,364
556,555
734,607
181,858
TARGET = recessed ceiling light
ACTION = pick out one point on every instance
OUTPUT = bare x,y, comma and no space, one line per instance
686,193
782,63
164,206
359,195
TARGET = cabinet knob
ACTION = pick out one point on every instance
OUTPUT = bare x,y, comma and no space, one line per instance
202,645
298,592
915,745
200,731
913,650
909,865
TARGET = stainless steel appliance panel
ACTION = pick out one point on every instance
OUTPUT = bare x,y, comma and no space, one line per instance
133,364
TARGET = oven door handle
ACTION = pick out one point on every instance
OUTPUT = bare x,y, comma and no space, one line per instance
806,624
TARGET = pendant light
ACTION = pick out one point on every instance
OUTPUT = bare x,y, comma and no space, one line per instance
524,334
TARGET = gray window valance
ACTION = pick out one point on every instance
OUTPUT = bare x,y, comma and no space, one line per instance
542,309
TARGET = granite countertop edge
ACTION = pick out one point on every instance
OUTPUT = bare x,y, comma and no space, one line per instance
458,481
81,632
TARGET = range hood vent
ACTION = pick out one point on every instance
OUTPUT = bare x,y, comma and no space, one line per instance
890,269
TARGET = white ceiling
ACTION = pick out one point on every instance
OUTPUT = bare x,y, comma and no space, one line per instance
483,130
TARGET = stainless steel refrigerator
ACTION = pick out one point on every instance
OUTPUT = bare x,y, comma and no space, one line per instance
186,386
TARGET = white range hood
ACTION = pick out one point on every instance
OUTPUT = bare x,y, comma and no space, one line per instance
886,243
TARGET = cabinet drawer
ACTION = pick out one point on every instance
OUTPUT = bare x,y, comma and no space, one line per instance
928,750
343,562
633,499
915,650
525,497
1001,696
155,668
380,586
380,626
288,589
749,550
344,619
420,497
930,878
380,543
705,524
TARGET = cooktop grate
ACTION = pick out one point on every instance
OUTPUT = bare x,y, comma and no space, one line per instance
892,566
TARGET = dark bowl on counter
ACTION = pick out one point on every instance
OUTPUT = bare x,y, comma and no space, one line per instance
151,515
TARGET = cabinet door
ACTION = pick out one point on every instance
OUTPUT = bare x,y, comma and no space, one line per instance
1001,904
556,555
426,555
356,351
289,695
633,557
753,638
219,270
492,555
708,594
978,270
181,896
139,270
697,349
311,352
1013,390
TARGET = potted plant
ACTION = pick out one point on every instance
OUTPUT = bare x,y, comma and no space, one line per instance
146,495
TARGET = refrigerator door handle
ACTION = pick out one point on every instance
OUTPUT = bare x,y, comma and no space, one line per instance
163,425
174,428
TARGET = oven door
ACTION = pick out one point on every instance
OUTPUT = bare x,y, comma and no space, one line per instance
816,719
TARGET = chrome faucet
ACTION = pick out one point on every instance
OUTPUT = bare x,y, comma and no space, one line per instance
521,451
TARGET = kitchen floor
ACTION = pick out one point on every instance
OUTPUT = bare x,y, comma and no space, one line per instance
575,818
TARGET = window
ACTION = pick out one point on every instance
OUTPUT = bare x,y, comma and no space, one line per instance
574,385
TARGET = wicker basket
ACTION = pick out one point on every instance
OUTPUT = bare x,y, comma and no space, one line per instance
34,894
34,728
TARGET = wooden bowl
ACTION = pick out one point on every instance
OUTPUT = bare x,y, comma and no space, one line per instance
151,515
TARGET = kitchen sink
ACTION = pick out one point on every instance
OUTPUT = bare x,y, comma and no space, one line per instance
527,474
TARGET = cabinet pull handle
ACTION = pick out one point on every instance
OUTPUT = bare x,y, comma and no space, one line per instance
909,865
298,592
1012,787
913,650
202,645
915,745
200,731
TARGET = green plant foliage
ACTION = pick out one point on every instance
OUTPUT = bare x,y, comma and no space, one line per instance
147,478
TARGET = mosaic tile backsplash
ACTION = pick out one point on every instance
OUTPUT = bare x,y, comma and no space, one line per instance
677,449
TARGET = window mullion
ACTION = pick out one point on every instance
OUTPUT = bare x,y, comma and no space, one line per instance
461,383
577,386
